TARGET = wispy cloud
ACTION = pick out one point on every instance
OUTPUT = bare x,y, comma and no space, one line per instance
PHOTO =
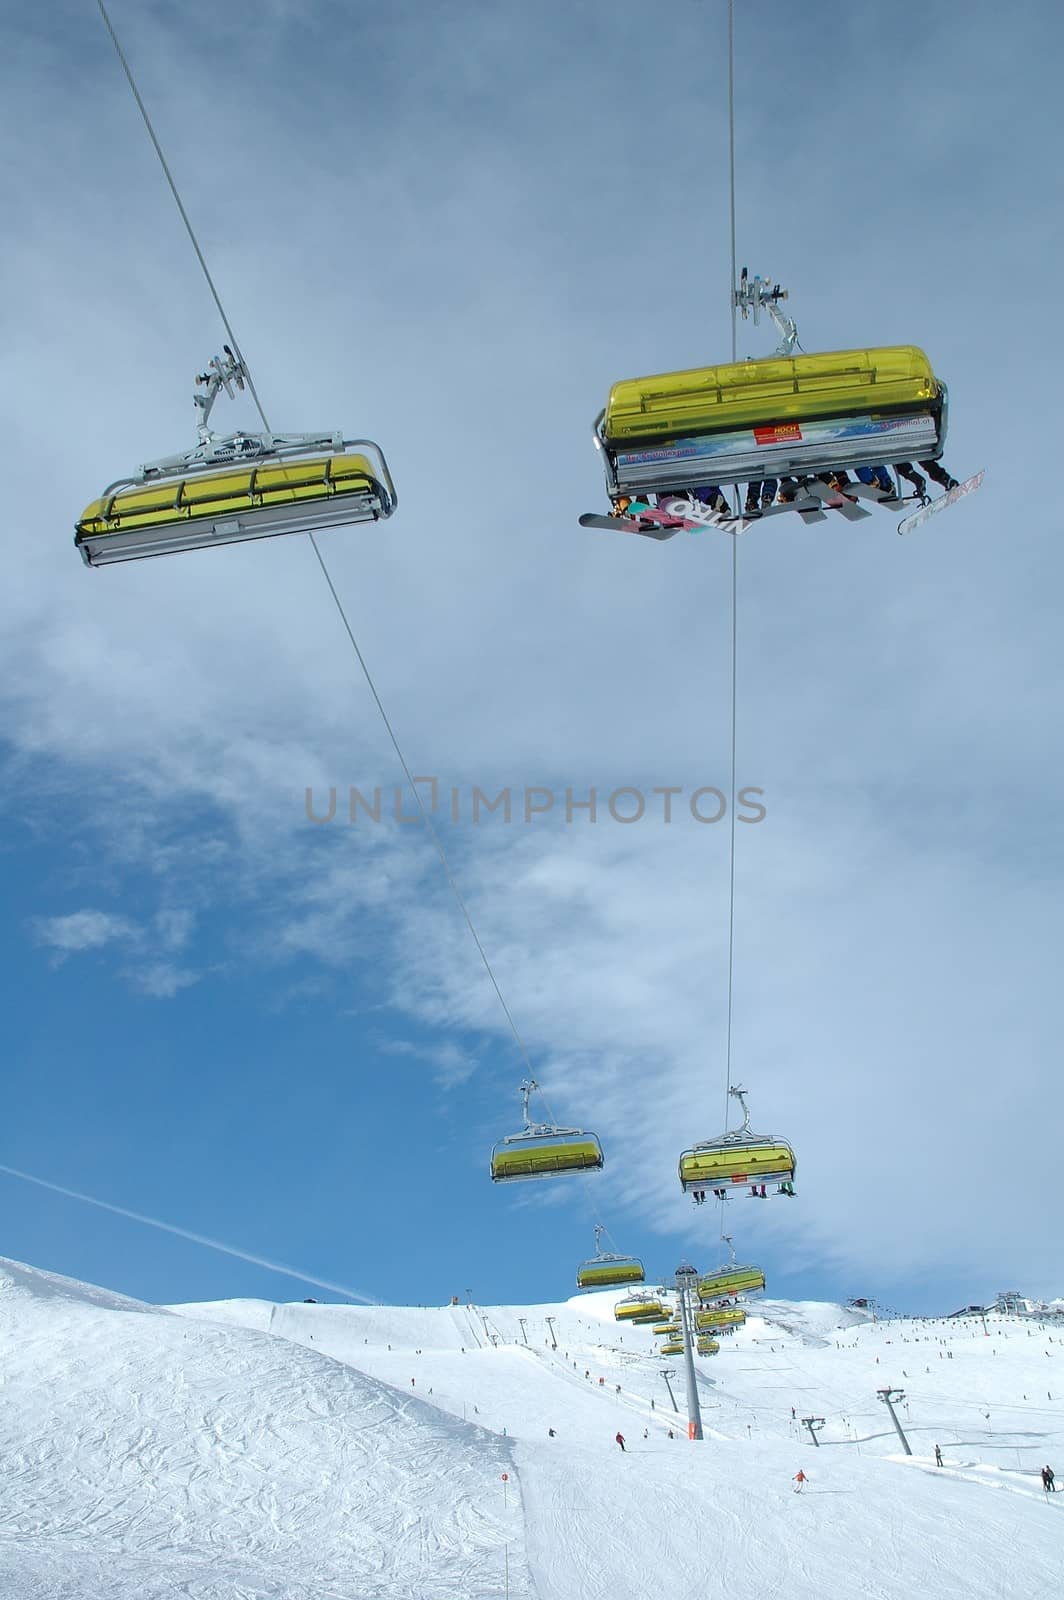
143,947
83,930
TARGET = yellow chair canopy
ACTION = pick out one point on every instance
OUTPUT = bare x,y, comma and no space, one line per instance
715,1166
543,1156
720,1317
730,1280
674,1347
194,509
607,1273
642,1309
745,394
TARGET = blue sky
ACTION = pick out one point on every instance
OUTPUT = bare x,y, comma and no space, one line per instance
451,230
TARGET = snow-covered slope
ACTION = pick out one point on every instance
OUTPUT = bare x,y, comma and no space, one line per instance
145,1454
250,1449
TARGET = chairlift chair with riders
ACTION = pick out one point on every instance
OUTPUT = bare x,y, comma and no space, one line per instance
738,1157
233,487
788,417
605,1271
543,1151
706,1347
712,1318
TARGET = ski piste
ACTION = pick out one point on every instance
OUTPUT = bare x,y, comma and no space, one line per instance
950,498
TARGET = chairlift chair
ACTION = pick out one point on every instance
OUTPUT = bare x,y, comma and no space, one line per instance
716,1317
640,1308
710,1317
672,1347
733,1278
707,1347
605,1271
788,415
230,488
543,1151
737,1158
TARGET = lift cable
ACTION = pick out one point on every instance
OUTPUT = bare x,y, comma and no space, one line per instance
734,577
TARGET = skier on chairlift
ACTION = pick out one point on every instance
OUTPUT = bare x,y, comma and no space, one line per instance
934,469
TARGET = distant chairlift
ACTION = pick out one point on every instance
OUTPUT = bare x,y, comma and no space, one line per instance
640,1308
543,1151
227,489
711,1319
603,1271
739,1157
732,1279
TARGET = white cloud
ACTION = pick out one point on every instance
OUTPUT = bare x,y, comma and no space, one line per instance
161,979
83,930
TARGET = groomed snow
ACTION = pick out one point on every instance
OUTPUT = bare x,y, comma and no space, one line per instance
256,1450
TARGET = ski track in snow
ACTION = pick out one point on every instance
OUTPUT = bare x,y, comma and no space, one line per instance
260,1451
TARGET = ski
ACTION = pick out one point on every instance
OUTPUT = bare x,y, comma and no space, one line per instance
804,504
890,502
951,496
836,501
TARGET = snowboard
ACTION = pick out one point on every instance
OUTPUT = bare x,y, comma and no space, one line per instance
940,503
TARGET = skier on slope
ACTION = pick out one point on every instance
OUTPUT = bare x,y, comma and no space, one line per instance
799,1479
1047,1479
620,1440
938,1456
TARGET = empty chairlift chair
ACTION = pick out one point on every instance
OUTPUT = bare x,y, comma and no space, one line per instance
543,1151
734,1278
604,1271
231,488
706,1346
672,1347
739,1158
640,1308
